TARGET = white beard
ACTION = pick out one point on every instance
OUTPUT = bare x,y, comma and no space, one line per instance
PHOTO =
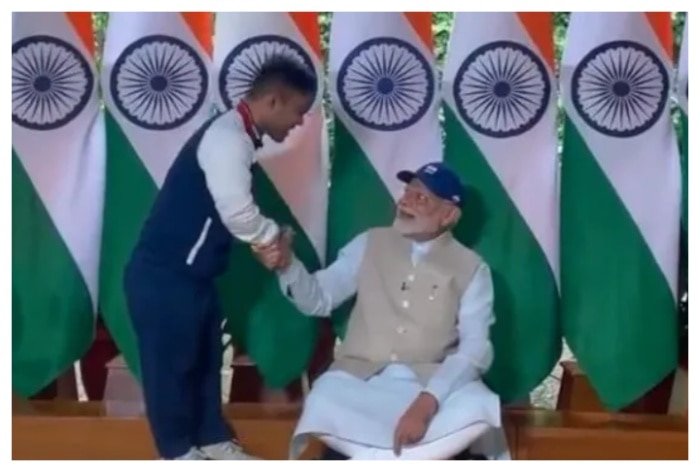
407,226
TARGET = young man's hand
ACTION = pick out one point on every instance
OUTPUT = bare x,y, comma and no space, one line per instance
278,254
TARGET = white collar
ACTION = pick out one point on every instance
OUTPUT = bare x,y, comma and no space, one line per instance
421,247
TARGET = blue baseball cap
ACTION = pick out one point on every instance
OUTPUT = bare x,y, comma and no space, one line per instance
439,179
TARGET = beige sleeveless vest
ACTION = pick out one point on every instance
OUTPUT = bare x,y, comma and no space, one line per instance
405,314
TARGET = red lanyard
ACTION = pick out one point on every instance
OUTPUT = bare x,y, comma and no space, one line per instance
247,117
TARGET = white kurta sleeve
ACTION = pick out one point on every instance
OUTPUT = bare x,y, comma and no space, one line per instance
318,294
225,158
474,353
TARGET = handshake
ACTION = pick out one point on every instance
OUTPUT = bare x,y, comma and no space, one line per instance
278,254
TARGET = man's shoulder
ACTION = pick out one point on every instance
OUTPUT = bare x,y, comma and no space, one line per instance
382,230
465,262
224,143
463,251
383,233
373,234
225,129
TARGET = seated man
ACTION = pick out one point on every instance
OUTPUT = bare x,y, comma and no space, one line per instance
406,379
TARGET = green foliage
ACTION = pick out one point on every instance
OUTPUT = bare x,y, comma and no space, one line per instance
442,26
99,26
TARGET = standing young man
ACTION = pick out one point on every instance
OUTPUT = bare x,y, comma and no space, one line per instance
204,204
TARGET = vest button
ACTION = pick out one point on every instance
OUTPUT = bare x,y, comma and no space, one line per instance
411,278
401,330
405,304
393,357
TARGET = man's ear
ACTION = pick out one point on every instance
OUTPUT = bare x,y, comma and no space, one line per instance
451,216
271,101
282,95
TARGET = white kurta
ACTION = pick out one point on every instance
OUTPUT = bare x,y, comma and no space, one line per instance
361,416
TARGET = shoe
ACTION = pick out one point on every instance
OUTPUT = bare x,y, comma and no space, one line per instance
467,455
226,451
330,454
192,454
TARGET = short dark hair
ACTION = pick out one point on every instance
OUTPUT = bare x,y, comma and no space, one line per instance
286,71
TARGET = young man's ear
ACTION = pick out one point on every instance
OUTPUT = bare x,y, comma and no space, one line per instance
282,94
271,100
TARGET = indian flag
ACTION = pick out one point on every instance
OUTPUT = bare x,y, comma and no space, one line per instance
291,187
384,94
620,201
500,130
155,81
58,165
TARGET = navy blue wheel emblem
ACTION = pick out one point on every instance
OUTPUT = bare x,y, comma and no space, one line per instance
620,88
243,63
159,82
51,82
502,89
385,84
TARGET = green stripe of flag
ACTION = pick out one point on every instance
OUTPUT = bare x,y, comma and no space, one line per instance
527,333
52,315
617,308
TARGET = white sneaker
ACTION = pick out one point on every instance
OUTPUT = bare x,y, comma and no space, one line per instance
226,451
192,454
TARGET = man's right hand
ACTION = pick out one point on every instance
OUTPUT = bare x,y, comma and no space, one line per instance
278,254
